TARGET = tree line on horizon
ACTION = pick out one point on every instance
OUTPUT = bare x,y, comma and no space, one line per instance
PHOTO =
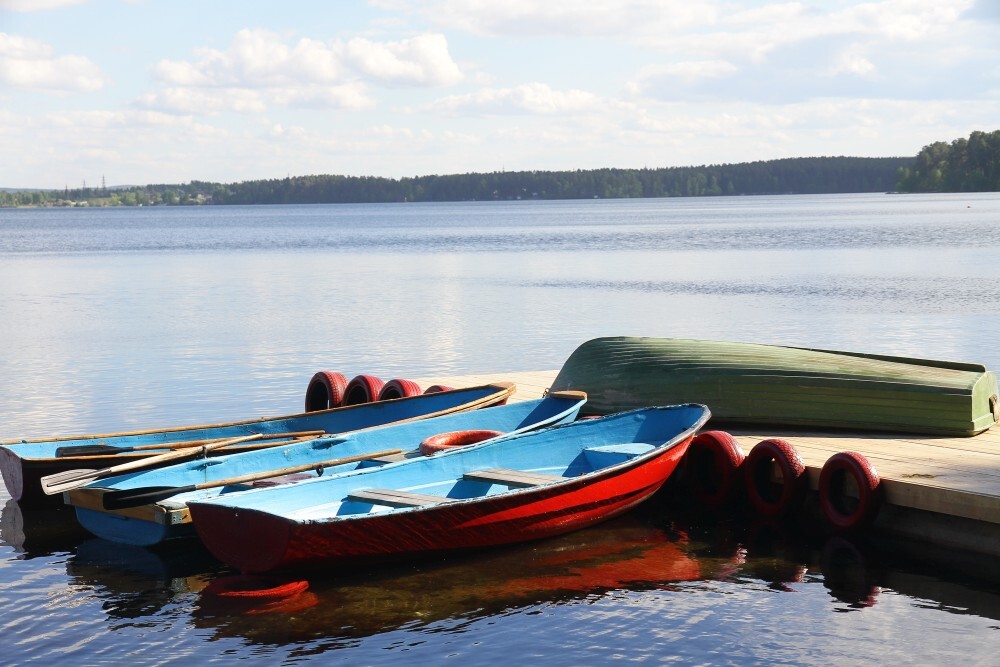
963,165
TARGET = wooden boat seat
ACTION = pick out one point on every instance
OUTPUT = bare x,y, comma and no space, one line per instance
394,498
512,478
391,458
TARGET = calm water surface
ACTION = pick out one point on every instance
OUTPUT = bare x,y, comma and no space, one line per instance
113,319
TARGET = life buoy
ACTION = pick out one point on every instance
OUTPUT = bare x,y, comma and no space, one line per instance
325,390
841,509
435,388
399,389
757,474
452,439
362,389
256,588
712,464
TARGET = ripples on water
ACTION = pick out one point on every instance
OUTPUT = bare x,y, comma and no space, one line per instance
651,585
133,318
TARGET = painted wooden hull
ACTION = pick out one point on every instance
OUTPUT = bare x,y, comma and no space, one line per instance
23,463
775,385
598,468
151,524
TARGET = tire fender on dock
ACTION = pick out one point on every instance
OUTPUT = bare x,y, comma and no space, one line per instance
362,389
758,475
713,465
841,510
326,390
399,389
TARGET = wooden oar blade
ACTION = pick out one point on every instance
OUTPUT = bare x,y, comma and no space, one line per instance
124,498
67,480
88,450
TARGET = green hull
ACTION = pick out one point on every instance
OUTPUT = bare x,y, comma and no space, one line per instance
770,384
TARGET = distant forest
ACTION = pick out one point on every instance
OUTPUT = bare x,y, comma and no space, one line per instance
971,164
964,165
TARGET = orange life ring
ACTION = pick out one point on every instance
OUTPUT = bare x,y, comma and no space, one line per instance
757,474
452,439
712,464
325,390
362,389
839,508
398,389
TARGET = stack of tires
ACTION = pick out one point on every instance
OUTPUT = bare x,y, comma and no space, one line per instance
328,390
774,482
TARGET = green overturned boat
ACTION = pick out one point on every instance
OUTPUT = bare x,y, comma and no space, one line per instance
777,385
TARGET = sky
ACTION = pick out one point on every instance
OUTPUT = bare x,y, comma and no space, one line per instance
133,92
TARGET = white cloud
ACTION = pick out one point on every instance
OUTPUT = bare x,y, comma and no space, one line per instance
262,68
29,64
854,63
560,17
352,95
204,102
529,98
422,60
37,5
260,58
688,72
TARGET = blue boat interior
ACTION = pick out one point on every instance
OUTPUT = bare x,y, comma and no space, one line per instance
507,465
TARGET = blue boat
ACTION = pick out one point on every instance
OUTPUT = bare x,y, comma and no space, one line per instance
526,487
151,506
24,463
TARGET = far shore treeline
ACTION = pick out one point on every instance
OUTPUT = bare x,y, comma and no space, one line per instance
964,165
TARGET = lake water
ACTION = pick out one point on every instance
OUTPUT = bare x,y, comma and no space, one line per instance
125,318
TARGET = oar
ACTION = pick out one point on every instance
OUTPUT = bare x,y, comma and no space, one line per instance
70,479
144,495
99,450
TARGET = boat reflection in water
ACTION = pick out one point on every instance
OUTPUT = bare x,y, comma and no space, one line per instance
632,555
41,532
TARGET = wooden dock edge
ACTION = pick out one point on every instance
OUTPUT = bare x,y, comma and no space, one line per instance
938,490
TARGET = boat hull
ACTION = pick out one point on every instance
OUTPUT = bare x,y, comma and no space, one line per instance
277,543
24,463
784,386
260,540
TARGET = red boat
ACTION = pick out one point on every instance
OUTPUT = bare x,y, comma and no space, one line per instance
505,490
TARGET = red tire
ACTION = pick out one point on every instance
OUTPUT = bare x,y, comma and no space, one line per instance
445,441
399,389
757,475
840,508
362,389
435,388
325,390
713,465
256,588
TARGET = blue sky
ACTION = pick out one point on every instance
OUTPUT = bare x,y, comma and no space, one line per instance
157,91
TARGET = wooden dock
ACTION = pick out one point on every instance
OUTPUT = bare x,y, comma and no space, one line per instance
941,490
